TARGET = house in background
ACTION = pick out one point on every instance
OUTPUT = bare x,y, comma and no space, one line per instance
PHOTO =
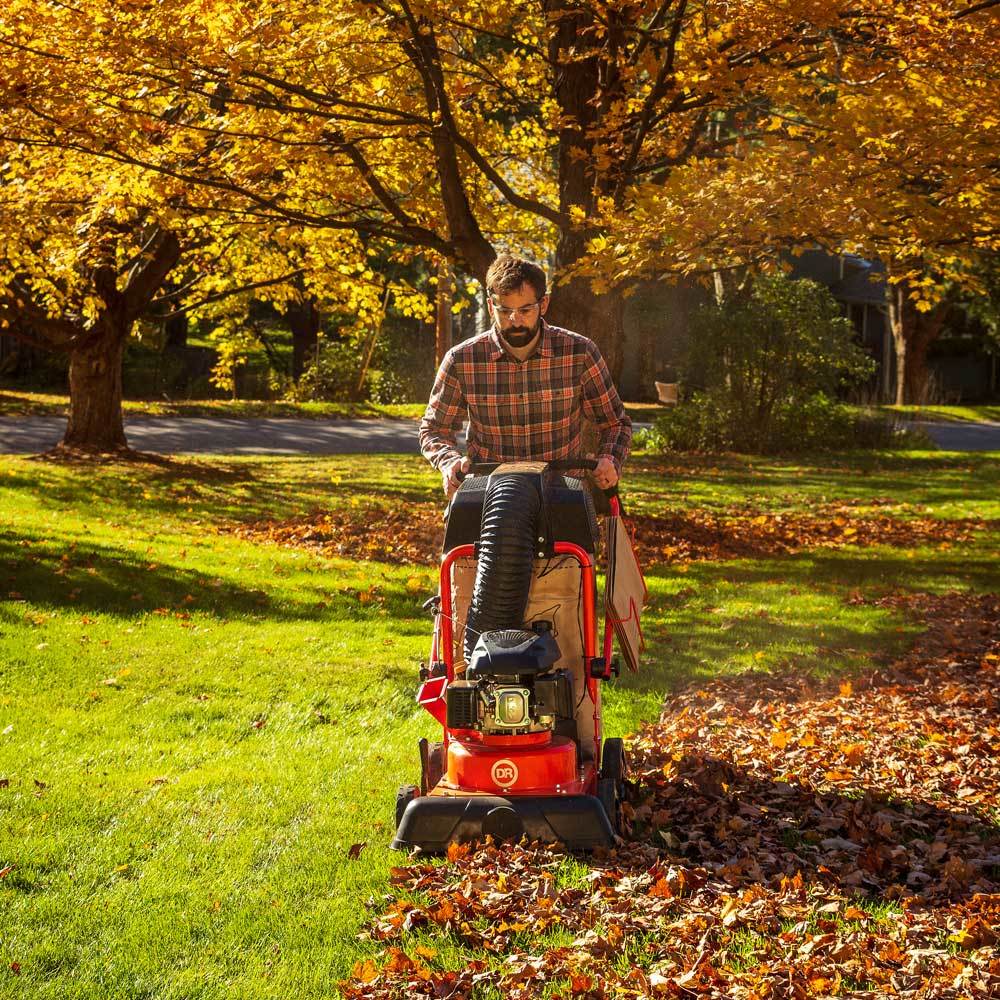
657,323
859,286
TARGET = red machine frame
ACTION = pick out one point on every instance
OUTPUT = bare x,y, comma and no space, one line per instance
552,760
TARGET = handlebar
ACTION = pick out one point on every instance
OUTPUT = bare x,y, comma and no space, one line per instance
556,465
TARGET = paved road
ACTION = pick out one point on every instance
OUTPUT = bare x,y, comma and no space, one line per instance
228,436
962,436
287,436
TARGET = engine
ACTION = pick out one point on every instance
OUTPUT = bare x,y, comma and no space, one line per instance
510,686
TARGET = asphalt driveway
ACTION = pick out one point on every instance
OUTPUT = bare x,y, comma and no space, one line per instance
288,436
228,436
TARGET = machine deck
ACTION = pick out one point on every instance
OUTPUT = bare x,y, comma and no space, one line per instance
431,822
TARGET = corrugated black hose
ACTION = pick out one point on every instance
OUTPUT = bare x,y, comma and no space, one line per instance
507,540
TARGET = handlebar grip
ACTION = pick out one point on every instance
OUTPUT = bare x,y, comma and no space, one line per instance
557,465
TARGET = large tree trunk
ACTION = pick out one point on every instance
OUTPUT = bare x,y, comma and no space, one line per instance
647,364
913,332
585,86
304,321
175,332
443,319
925,328
95,392
599,316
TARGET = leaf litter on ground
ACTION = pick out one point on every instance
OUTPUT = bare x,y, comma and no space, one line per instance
788,838
415,534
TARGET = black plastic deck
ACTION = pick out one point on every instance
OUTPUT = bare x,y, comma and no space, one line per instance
431,823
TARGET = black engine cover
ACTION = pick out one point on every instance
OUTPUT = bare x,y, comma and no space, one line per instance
511,653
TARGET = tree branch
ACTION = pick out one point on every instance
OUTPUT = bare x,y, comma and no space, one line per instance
230,292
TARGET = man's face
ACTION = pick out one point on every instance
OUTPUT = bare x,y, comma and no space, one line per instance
518,315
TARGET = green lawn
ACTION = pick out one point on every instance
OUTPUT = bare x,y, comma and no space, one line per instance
21,403
194,728
983,411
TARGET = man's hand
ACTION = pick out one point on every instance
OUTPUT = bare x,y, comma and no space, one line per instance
450,475
605,475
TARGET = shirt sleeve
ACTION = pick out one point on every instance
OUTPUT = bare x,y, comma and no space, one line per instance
603,407
443,418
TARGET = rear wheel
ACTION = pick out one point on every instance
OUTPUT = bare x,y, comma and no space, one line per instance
611,781
405,795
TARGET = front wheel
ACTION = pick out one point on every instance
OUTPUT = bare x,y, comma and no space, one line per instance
405,795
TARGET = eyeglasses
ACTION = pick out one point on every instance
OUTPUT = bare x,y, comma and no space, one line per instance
522,312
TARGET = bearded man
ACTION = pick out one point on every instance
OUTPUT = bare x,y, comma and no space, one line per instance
525,387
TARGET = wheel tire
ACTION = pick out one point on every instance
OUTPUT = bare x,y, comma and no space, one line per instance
611,781
607,793
613,762
405,795
435,765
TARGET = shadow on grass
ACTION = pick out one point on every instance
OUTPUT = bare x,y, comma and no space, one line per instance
222,487
97,578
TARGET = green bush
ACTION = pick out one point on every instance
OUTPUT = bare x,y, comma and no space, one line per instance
816,424
333,377
765,371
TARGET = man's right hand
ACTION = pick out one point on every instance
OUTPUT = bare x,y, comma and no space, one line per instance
450,475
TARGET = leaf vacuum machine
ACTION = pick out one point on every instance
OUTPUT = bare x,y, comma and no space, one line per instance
515,672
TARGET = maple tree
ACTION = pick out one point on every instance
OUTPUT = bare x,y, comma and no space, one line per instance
77,272
628,140
88,246
633,139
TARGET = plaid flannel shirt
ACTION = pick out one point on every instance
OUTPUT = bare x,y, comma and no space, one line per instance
523,410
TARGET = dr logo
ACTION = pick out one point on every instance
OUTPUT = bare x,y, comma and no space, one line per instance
504,773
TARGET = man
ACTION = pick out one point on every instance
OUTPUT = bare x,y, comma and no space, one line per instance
525,386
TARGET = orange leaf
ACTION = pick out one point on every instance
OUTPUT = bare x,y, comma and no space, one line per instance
662,889
365,971
839,775
456,851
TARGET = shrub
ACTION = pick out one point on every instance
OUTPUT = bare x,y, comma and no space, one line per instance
819,423
333,377
766,370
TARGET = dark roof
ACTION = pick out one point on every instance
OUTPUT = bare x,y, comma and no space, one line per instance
863,281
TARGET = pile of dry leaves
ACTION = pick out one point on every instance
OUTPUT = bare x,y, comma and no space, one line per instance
789,840
415,534
412,534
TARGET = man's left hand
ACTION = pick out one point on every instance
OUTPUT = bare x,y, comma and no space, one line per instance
605,475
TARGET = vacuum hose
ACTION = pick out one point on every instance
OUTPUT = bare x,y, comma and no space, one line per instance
506,552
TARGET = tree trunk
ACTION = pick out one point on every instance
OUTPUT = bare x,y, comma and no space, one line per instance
175,332
443,325
913,332
599,316
584,87
95,392
897,298
647,363
304,322
925,328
